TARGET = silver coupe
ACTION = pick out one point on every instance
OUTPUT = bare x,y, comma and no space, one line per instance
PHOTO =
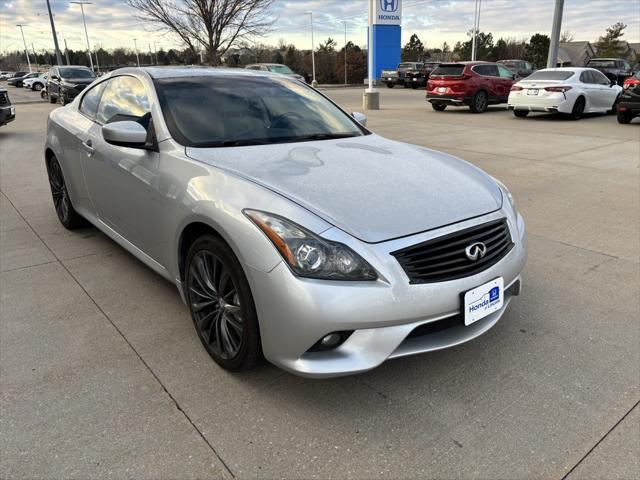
292,232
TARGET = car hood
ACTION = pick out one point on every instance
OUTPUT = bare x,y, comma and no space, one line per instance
78,81
372,188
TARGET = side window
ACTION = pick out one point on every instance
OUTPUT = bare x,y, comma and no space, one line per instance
585,77
505,72
600,78
91,99
124,98
492,70
480,69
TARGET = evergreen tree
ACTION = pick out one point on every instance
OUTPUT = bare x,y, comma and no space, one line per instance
610,45
414,50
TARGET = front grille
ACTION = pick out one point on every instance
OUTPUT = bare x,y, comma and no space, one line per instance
3,98
444,258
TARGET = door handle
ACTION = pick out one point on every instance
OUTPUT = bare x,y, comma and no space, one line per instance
88,147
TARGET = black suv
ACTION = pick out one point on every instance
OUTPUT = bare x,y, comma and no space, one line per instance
7,111
629,104
65,83
522,68
616,69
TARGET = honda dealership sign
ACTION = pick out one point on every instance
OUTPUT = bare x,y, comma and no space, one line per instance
385,18
385,12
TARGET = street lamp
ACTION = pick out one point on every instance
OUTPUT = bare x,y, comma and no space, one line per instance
313,54
82,4
135,43
476,28
345,52
26,51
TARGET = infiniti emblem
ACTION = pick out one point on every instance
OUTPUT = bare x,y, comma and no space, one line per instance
475,251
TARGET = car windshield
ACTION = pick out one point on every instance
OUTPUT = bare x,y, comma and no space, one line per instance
550,75
280,69
69,72
602,63
406,65
448,71
230,110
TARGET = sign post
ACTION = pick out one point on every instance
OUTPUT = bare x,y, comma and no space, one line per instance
384,37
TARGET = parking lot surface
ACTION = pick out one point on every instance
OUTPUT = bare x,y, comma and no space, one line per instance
102,374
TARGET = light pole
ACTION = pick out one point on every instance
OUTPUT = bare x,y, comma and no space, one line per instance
82,4
26,51
135,43
313,53
35,57
476,28
345,52
552,59
55,37
66,51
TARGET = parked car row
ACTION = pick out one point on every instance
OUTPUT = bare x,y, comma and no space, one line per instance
566,90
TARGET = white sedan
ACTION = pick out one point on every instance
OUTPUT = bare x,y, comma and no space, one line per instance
35,83
574,91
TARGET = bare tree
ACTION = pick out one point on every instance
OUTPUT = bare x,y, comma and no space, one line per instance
213,25
566,36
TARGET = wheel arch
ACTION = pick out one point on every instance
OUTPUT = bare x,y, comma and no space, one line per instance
189,234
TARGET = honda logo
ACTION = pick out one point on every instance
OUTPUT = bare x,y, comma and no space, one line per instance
389,5
476,251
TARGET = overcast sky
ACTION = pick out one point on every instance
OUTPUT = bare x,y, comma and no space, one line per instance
112,24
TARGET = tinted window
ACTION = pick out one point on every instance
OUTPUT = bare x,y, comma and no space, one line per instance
280,69
598,77
230,110
505,72
91,99
123,98
71,72
448,71
487,70
585,77
602,63
551,75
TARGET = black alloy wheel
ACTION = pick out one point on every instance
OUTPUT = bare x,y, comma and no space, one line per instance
480,102
67,215
521,113
438,107
221,304
578,108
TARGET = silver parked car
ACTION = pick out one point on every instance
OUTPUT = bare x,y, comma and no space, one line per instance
290,229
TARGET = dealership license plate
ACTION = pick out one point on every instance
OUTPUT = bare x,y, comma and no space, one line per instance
442,89
532,91
483,300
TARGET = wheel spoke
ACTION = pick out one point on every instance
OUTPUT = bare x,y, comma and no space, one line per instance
204,274
235,324
228,343
232,309
197,306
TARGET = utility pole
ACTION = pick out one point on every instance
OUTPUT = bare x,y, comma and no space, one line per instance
35,56
97,62
66,51
552,59
476,29
55,37
155,50
82,4
313,53
345,52
26,51
135,43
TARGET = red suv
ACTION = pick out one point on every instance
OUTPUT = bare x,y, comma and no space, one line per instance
476,84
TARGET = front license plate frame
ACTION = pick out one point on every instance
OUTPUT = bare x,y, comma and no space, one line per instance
483,300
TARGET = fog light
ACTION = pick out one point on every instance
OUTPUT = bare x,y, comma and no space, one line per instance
330,341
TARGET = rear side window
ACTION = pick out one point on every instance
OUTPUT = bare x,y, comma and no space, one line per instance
124,98
505,72
91,100
448,71
599,77
487,70
585,77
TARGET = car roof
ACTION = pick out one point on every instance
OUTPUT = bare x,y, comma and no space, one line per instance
566,69
603,58
195,71
468,62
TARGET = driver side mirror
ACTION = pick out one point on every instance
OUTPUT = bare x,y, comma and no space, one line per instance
361,118
125,134
612,83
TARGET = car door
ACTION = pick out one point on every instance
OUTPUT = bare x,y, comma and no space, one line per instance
607,94
591,90
53,86
122,181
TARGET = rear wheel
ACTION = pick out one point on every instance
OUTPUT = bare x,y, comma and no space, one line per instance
390,85
67,215
221,304
578,108
624,117
480,102
521,113
438,107
37,87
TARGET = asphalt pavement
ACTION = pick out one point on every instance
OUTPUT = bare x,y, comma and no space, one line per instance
102,374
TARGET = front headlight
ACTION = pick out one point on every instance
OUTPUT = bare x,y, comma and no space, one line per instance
506,193
309,255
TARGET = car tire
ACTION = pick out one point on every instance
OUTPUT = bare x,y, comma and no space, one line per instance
414,86
521,113
63,100
221,304
67,215
625,117
578,108
438,107
37,87
480,102
390,85
53,99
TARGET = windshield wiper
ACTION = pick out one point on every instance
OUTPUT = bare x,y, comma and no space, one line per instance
232,143
321,136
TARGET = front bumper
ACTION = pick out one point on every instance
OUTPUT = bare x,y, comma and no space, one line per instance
295,313
7,114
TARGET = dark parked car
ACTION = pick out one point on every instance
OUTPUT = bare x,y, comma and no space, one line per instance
629,104
16,79
520,67
7,111
404,74
65,83
418,78
616,69
475,84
